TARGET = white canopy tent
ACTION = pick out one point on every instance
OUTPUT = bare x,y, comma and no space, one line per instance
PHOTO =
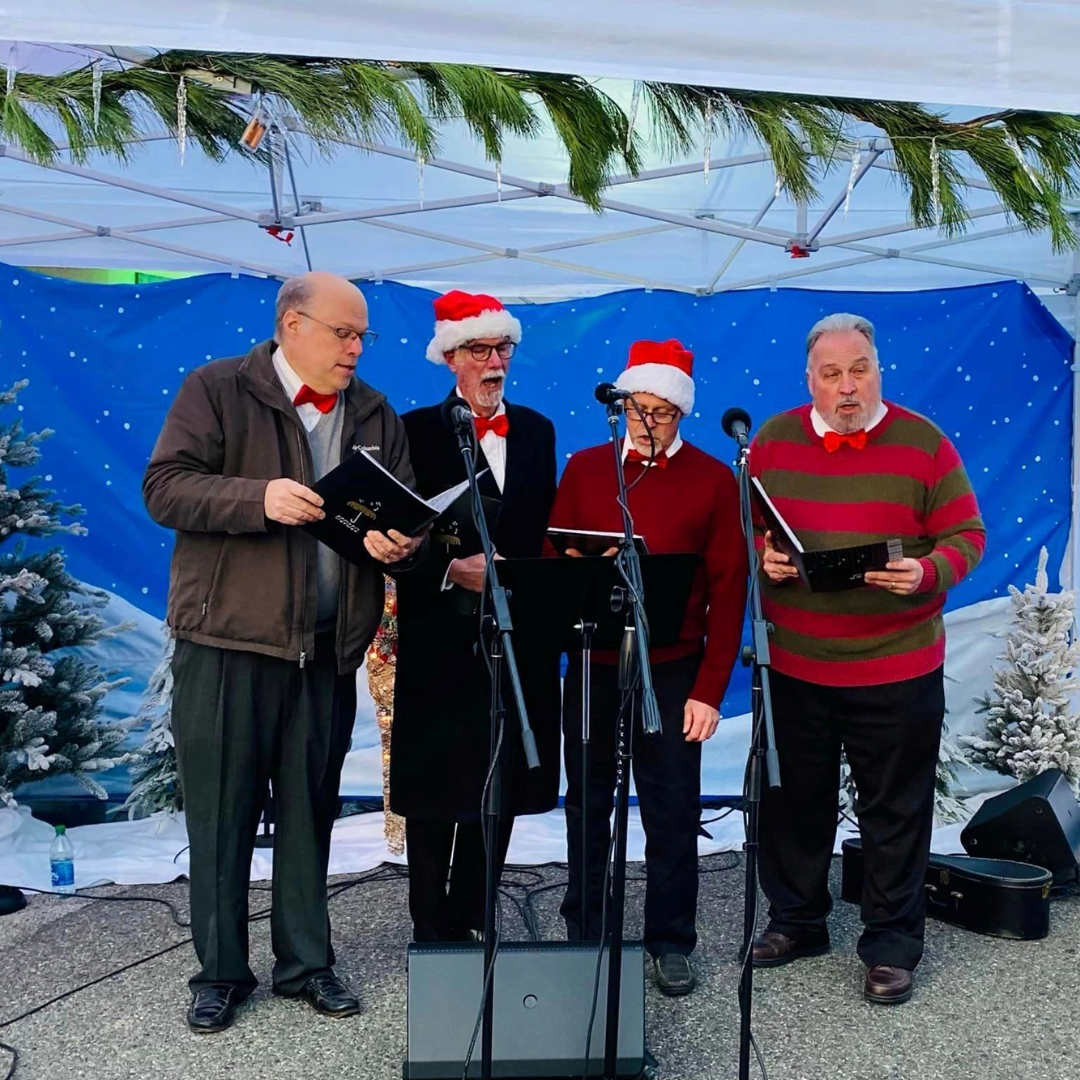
1008,53
371,213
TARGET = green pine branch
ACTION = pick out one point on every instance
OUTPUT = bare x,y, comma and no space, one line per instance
358,100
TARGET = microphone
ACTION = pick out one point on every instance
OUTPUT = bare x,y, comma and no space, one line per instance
736,423
607,393
456,415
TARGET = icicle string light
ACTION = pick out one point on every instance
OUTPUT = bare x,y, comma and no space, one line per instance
96,89
635,100
1026,165
708,138
181,116
856,158
935,180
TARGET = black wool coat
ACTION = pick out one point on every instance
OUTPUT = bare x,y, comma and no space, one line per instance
441,729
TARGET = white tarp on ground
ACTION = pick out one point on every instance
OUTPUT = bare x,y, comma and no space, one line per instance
154,850
1017,53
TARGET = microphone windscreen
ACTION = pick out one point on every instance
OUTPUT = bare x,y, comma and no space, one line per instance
454,413
733,416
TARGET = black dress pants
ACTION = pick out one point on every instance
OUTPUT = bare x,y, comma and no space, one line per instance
239,720
890,733
667,777
436,850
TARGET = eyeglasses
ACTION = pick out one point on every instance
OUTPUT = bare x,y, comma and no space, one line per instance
504,350
659,416
367,338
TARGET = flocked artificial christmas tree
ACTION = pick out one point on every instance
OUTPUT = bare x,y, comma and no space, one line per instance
50,701
156,782
1031,724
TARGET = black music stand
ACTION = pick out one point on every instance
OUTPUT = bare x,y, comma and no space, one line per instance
573,602
552,596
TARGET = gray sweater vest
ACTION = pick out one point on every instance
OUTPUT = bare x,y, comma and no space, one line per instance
325,442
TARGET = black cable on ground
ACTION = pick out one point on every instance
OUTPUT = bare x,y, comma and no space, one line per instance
81,894
533,887
386,872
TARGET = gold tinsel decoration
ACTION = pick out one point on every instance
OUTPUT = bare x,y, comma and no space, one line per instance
381,664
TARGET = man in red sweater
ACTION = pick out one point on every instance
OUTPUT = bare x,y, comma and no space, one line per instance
859,670
681,500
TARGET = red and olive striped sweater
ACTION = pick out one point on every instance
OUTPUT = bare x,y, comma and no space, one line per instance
908,482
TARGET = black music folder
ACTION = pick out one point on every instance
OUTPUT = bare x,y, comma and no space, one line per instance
833,569
588,542
361,495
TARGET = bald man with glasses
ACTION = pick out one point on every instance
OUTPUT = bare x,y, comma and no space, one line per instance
270,628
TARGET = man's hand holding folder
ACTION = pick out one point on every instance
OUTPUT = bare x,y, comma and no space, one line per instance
775,563
392,547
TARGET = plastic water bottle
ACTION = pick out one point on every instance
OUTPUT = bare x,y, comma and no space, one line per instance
62,861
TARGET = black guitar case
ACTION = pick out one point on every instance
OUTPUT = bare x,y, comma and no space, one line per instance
989,896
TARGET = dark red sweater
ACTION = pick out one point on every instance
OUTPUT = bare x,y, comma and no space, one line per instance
690,506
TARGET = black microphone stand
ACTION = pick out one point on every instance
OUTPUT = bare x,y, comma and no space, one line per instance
585,631
762,745
636,686
498,627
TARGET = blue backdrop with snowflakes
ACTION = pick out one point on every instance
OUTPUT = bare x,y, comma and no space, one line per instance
989,364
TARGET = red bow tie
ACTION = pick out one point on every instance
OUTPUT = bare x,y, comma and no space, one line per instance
499,424
834,440
323,402
660,461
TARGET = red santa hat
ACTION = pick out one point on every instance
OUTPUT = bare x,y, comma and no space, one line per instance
663,368
461,317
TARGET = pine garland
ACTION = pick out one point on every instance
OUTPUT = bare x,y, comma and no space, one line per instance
1031,160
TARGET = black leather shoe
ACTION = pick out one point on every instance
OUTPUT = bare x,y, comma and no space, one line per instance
773,949
212,1008
887,985
328,995
674,974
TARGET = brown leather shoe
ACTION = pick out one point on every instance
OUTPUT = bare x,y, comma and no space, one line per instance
887,985
772,949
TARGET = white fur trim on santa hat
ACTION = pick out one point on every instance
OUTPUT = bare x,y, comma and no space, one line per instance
664,380
450,333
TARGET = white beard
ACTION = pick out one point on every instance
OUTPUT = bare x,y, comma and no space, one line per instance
490,397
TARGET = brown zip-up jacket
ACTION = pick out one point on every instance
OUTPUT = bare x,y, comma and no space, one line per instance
239,581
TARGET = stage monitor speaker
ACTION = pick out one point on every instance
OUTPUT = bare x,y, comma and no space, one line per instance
543,997
1037,822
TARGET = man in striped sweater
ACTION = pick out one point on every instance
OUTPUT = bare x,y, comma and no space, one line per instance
860,670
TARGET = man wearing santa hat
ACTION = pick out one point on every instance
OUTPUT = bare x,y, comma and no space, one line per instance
681,500
440,749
